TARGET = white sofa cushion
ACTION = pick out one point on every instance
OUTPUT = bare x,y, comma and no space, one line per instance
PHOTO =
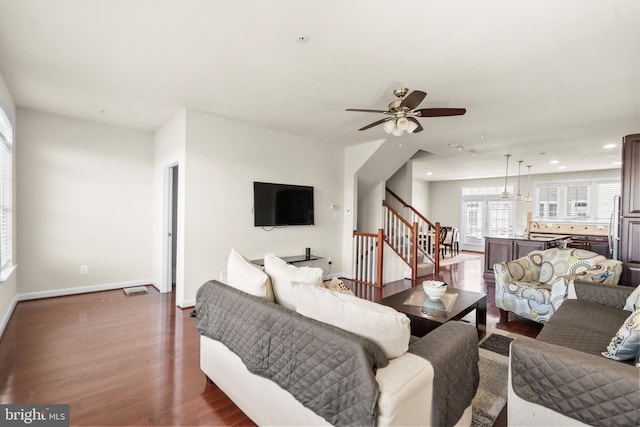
282,274
383,325
625,344
633,302
248,277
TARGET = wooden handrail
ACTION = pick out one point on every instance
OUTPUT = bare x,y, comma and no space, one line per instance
406,205
395,212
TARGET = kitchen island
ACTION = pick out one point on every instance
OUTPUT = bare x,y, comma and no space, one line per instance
501,249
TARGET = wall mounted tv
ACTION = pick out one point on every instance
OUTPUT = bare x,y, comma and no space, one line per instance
282,204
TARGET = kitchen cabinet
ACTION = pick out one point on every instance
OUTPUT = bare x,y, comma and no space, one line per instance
630,253
630,220
597,244
501,249
631,176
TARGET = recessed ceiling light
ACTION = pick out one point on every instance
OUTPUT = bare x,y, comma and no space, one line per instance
303,39
554,162
429,173
609,146
562,167
472,152
616,163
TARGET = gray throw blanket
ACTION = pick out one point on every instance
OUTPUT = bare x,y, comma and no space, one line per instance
327,369
452,349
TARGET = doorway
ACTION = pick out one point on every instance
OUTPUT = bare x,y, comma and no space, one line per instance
171,228
484,216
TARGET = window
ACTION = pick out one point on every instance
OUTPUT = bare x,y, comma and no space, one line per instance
547,197
485,213
604,199
576,201
6,183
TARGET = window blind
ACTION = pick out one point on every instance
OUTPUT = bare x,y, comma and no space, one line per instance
577,201
548,201
6,183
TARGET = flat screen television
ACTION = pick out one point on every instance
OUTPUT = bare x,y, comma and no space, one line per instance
282,204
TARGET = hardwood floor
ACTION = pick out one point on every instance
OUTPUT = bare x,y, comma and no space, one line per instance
134,360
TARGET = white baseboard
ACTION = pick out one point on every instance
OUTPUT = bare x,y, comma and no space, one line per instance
83,289
7,316
186,303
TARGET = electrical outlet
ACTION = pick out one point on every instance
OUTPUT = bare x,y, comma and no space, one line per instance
84,269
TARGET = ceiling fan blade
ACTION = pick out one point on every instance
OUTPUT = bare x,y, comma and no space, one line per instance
379,122
366,111
414,120
440,112
413,99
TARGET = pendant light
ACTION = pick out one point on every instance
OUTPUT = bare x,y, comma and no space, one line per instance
528,197
519,196
505,193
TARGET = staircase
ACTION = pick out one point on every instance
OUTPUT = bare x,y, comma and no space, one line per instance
409,234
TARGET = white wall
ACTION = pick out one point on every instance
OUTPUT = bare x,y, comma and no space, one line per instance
370,210
168,149
401,182
223,159
354,159
85,197
420,191
8,289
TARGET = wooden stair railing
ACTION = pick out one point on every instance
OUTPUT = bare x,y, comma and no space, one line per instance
402,238
368,250
427,234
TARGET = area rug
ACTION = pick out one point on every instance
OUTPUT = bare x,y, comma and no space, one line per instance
491,396
459,258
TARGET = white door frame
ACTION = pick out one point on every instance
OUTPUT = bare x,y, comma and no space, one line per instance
167,237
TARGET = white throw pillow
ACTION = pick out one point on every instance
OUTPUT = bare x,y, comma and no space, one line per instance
626,343
633,301
282,274
383,325
248,277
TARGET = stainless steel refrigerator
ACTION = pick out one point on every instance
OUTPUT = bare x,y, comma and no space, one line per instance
614,228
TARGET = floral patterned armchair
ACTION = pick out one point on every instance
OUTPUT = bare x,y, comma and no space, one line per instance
535,285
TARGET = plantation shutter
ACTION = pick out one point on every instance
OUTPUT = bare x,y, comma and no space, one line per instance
604,194
577,201
548,201
6,208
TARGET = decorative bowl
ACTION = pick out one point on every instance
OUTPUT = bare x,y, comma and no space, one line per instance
434,289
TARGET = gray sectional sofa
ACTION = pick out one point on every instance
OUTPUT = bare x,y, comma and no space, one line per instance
562,378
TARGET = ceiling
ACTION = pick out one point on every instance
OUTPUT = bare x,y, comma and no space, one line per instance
542,76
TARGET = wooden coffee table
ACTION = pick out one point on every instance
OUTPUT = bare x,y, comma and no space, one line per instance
426,314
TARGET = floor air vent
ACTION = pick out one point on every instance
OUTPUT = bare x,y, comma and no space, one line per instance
138,290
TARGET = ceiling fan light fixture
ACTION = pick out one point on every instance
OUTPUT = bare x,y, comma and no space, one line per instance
402,123
397,131
412,126
389,126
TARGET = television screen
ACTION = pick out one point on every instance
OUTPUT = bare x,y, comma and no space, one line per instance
282,204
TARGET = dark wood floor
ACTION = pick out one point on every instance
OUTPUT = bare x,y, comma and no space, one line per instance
121,360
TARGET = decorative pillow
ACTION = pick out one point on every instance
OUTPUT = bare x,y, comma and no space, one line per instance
282,274
383,325
248,277
633,301
337,285
626,343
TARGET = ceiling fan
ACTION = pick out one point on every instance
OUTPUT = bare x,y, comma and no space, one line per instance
402,113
